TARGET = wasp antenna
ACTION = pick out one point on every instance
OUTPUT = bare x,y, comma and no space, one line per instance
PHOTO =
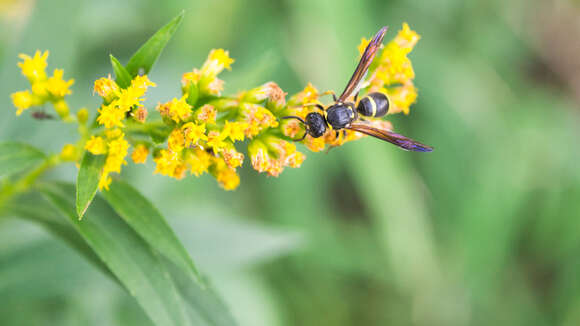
294,117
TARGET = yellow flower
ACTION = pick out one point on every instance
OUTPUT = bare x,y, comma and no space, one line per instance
198,160
190,77
34,68
193,133
114,133
235,130
111,115
257,117
116,156
270,91
232,157
259,156
177,110
57,86
69,153
96,145
314,144
207,113
169,163
222,57
142,82
129,97
227,177
402,98
22,101
217,60
39,89
407,38
216,141
139,154
105,181
308,95
106,87
176,141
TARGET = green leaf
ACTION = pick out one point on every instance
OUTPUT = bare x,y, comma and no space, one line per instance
17,157
146,220
148,53
50,218
88,180
166,294
126,254
122,76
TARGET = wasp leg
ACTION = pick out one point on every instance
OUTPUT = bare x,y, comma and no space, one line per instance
330,93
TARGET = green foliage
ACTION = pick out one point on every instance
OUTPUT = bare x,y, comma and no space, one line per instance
146,220
17,157
147,54
88,181
167,297
123,78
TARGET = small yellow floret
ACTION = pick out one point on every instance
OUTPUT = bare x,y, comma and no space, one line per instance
139,155
57,86
96,145
22,101
34,67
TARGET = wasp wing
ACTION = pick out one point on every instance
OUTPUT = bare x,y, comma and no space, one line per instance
364,63
393,138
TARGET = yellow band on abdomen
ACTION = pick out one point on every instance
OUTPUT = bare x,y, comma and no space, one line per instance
373,105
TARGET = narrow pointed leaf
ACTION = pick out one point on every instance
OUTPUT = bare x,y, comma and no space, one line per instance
146,220
43,213
122,76
17,157
145,57
131,259
88,181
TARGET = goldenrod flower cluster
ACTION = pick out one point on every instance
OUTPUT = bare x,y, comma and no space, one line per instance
202,131
43,89
393,72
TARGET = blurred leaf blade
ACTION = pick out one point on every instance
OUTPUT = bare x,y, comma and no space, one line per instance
88,181
146,220
49,218
122,76
16,157
165,291
126,254
147,55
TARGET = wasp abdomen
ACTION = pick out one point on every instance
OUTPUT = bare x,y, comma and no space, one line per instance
373,105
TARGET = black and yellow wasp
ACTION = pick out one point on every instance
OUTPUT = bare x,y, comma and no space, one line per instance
345,115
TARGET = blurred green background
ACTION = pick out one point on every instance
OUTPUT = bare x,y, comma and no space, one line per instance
483,231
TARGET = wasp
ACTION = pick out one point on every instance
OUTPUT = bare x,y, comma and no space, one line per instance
343,114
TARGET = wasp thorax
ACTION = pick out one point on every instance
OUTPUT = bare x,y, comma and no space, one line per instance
340,115
316,124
